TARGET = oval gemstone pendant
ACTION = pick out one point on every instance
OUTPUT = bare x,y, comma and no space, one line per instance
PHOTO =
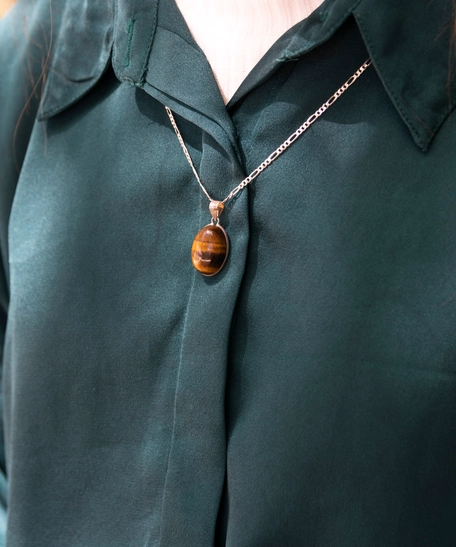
210,249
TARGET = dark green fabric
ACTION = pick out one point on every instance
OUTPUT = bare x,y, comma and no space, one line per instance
305,396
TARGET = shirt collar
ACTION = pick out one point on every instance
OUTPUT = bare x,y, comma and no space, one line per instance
410,50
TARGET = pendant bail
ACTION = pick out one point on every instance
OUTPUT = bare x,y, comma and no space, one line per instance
216,209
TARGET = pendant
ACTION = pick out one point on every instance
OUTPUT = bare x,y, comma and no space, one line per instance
211,245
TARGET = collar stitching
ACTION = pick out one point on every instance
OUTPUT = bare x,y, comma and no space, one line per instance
115,48
149,45
116,62
443,118
396,99
329,32
130,30
423,143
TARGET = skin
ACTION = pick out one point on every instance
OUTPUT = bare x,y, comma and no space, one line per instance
5,5
235,34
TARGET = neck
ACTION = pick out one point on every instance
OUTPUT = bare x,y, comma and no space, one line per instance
235,34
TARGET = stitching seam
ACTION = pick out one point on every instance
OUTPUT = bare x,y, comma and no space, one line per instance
331,29
149,45
424,143
130,30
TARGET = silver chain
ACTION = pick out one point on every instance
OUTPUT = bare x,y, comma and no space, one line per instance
281,149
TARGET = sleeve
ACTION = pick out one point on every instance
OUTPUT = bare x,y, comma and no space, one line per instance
26,38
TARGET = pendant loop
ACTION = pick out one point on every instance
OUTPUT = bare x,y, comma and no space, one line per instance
216,209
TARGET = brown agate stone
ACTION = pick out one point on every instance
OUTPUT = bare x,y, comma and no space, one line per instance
210,249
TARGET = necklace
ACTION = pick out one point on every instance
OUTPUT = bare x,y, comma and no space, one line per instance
211,244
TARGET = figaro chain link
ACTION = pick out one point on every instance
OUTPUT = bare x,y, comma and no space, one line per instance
281,149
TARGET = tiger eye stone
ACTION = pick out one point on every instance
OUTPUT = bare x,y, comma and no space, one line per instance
210,249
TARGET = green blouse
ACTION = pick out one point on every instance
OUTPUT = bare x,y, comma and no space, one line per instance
306,395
